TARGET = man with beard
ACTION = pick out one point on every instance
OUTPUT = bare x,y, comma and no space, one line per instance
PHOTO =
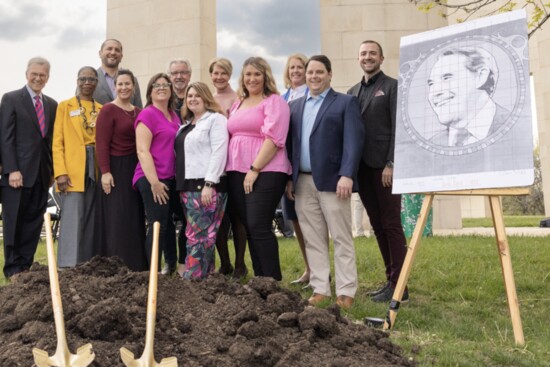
110,54
377,95
179,71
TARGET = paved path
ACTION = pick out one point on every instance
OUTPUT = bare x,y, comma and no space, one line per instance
490,232
512,231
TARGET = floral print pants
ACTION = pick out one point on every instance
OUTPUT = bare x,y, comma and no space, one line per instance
202,226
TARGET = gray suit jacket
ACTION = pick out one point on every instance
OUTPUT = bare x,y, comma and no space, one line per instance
104,95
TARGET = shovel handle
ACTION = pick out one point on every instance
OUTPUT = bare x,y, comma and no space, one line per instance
152,296
148,357
62,348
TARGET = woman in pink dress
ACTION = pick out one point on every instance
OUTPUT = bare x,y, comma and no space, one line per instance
257,163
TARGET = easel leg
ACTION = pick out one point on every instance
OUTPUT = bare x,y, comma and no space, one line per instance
409,259
506,264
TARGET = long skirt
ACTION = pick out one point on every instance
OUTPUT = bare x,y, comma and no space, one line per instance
121,217
77,226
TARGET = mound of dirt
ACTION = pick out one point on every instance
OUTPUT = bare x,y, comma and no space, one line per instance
215,322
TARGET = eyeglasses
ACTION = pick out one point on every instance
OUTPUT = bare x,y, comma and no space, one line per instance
176,73
161,86
89,79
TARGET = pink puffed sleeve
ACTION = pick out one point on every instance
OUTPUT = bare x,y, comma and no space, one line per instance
276,120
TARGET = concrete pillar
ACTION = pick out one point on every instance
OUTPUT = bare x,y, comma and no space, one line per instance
539,65
346,23
539,44
153,32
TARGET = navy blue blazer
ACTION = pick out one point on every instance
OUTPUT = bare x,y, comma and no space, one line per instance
336,140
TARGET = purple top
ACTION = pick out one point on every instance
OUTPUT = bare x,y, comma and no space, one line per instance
250,127
162,143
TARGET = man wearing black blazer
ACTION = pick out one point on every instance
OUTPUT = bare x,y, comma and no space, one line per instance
325,142
377,95
110,54
26,127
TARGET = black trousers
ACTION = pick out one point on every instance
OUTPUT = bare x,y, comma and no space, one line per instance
164,214
255,211
22,217
384,210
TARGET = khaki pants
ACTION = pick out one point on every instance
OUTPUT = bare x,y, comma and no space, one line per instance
320,213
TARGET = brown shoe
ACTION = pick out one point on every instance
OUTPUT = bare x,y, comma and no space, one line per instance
317,298
345,302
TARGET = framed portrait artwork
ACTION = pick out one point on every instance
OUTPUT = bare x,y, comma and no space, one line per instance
464,107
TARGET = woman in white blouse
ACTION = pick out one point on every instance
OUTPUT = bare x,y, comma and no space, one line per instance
201,155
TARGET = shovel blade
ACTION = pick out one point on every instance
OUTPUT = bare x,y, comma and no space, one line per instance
129,360
84,356
168,362
41,358
127,357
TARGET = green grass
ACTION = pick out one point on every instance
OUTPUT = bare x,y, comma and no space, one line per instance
458,314
509,221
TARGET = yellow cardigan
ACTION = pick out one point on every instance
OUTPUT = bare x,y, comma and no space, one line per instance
68,148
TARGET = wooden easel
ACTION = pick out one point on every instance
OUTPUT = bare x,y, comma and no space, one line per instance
502,245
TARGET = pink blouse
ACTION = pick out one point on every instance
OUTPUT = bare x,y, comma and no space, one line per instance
250,127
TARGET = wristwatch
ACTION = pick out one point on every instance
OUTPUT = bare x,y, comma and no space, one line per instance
252,168
208,184
389,164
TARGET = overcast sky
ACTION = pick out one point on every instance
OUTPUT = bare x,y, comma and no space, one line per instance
69,32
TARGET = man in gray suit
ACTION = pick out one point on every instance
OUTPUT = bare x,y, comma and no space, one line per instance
110,54
26,126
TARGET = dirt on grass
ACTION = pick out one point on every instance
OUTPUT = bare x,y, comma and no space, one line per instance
216,322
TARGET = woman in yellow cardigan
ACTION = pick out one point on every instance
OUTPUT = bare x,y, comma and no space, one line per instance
74,169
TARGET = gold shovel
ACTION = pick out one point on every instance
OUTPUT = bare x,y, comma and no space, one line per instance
148,357
62,357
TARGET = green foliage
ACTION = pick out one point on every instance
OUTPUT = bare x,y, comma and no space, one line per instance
538,12
426,7
532,204
508,7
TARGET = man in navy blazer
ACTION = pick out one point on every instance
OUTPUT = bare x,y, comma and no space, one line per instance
325,142
26,150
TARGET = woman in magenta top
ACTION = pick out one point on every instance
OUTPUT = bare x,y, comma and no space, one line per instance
257,164
119,211
154,177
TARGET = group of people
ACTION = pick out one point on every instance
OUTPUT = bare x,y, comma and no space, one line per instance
212,161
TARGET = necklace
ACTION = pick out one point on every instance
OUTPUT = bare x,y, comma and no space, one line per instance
93,115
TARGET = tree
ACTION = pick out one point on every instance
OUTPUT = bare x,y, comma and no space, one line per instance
532,204
538,10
